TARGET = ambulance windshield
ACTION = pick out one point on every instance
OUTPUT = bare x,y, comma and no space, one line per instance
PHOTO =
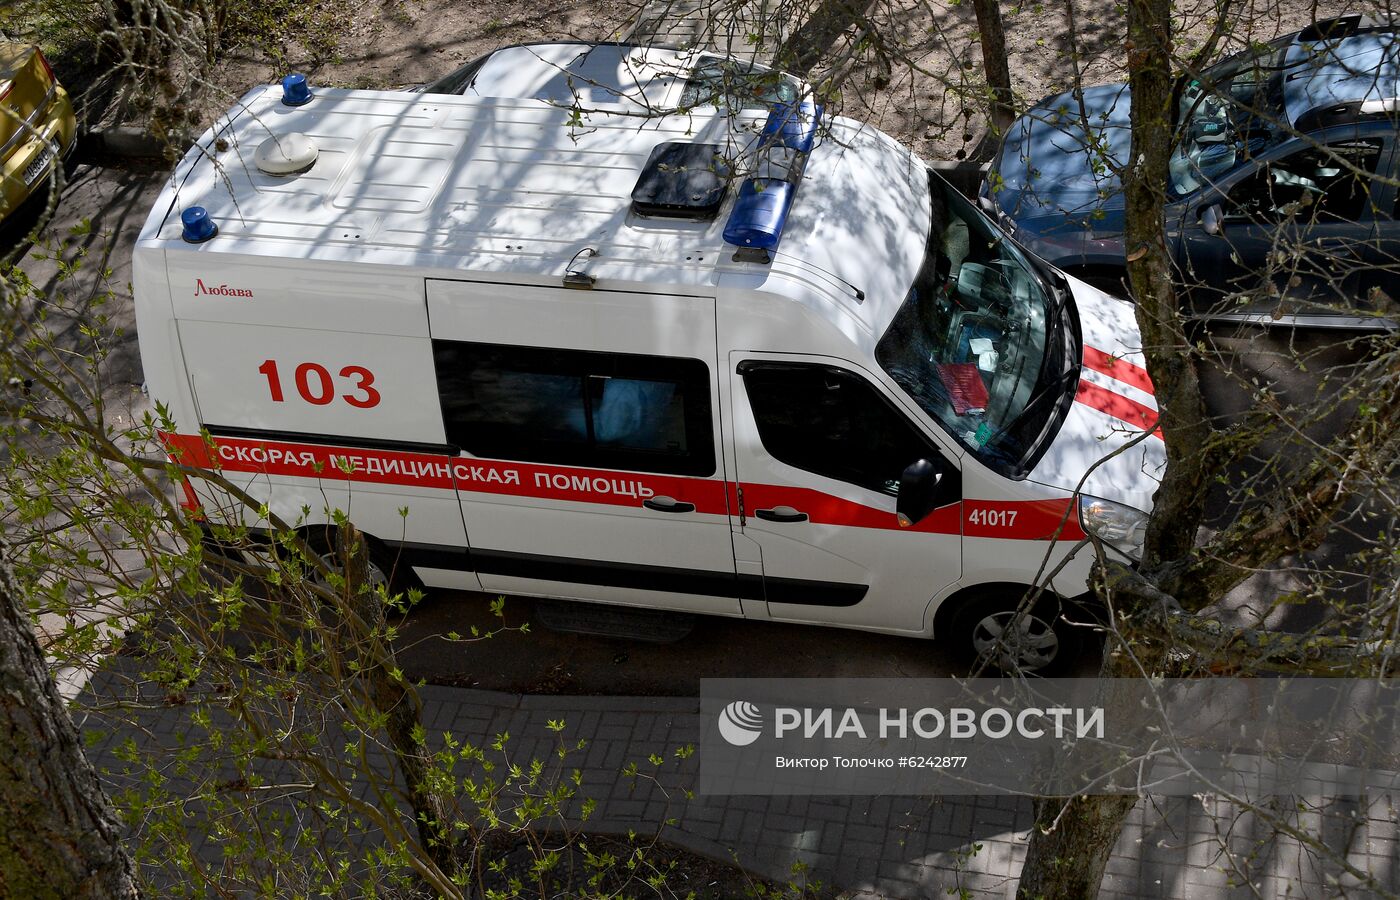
980,341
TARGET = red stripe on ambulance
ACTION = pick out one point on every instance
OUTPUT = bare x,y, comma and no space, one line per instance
1024,520
1123,409
824,509
427,470
1117,369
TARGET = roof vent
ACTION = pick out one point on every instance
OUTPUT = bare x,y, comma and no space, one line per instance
290,154
682,181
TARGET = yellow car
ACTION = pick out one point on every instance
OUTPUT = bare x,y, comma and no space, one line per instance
37,127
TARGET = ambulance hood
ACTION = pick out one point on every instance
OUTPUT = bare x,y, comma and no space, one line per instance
1113,405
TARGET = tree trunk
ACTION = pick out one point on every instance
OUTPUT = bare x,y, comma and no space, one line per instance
61,836
1066,858
992,36
805,47
1073,836
398,703
1180,502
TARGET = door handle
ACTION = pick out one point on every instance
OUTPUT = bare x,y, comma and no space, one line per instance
668,504
780,514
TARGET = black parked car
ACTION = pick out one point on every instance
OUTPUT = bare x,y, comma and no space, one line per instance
1282,204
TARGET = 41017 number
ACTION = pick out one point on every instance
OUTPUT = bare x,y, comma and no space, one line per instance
993,518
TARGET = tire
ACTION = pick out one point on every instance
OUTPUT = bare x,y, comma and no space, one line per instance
1047,643
383,568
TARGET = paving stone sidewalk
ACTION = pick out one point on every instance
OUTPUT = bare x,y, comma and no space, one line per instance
745,29
895,847
908,847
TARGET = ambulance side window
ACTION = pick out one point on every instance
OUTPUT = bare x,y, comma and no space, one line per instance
832,422
577,407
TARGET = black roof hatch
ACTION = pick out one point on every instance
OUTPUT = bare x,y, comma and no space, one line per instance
682,180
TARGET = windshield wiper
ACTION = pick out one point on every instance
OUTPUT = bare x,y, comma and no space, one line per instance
1053,389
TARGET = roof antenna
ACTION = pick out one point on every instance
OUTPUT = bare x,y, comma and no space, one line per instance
576,273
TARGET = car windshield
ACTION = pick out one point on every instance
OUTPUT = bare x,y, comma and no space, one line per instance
980,341
566,74
1233,112
735,84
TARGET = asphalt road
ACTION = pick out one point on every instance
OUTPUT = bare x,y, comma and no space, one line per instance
548,662
115,200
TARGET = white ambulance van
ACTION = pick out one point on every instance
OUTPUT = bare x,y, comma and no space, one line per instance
761,363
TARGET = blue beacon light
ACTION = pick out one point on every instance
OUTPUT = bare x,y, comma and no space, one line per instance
759,214
295,91
198,227
793,125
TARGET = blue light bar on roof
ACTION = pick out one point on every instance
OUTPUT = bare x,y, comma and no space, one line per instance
794,124
759,214
755,225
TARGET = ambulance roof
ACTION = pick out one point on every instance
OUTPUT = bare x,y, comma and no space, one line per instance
519,188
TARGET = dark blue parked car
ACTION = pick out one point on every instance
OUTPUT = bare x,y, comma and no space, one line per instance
1282,203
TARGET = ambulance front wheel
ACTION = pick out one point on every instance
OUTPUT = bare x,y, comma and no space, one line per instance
992,634
383,569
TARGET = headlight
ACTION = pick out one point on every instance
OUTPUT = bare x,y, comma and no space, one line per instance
1123,527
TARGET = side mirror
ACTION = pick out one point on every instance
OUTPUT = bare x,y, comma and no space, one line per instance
1211,218
918,493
